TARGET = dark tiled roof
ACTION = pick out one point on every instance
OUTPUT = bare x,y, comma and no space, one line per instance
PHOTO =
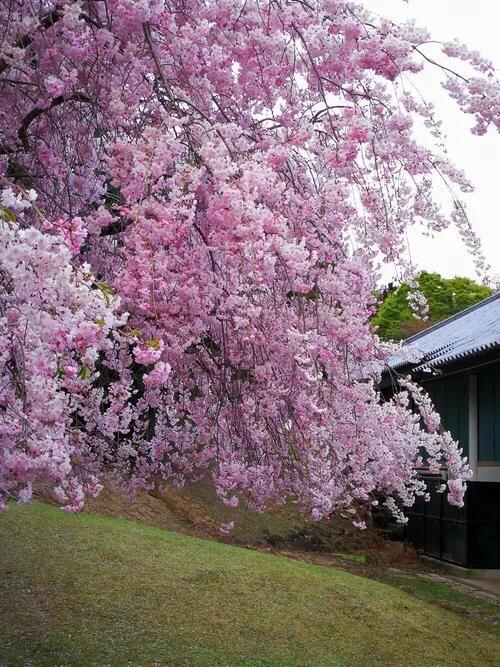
474,330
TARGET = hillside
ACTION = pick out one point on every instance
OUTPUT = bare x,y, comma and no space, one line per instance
89,590
196,510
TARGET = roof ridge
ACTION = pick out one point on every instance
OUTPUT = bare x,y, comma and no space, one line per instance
448,320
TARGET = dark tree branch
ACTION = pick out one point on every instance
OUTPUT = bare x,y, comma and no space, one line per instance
34,113
23,42
47,21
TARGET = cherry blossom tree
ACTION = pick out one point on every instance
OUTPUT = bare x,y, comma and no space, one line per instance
196,200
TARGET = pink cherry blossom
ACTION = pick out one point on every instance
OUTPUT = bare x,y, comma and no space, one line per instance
196,198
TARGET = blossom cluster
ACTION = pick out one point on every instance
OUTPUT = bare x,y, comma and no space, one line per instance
217,183
53,326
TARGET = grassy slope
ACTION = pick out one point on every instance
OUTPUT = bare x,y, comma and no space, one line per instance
196,510
88,590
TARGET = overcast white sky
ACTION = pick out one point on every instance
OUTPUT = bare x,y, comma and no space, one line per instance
478,25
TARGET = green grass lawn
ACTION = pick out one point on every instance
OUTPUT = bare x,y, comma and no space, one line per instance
88,590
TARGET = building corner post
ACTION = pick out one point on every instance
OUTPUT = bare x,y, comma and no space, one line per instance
473,425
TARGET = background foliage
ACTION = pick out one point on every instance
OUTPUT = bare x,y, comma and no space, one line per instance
445,297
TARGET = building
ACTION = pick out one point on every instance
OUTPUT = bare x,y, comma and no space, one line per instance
460,370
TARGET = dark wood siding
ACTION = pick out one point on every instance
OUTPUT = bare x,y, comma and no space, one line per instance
488,394
468,536
450,396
